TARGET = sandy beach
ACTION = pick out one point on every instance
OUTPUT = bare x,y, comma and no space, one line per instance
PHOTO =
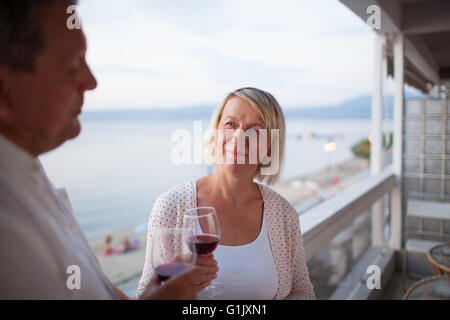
121,267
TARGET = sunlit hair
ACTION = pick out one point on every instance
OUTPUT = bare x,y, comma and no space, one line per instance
271,114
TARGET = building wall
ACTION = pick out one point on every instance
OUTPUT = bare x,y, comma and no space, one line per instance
426,163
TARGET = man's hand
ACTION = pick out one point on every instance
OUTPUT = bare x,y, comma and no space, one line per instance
181,287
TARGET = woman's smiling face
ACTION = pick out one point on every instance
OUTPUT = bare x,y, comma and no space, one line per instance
238,117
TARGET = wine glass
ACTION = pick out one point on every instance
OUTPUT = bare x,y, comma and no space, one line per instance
170,253
206,236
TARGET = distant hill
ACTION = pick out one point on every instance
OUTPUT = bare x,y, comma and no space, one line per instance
359,108
355,108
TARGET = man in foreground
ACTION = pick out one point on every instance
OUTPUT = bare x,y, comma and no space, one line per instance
43,78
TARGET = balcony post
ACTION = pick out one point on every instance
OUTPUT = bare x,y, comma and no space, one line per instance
376,149
395,241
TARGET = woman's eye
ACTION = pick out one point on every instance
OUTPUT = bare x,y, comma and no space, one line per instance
229,124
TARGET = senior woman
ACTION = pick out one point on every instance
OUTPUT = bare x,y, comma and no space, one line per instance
260,253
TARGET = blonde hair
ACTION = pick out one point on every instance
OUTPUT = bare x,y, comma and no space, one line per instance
272,115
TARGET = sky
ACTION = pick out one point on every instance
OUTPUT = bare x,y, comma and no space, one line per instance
176,53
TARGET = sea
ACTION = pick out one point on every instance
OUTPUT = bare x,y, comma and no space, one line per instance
119,164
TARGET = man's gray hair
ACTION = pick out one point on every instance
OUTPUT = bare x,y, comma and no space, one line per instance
22,39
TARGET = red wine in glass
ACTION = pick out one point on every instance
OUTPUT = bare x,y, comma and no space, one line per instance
203,243
168,270
170,254
204,222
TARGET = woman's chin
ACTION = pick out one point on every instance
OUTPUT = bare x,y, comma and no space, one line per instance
240,169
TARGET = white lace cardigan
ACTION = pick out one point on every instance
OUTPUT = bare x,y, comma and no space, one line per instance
284,234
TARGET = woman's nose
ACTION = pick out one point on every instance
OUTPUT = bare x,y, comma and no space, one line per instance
238,133
240,141
234,142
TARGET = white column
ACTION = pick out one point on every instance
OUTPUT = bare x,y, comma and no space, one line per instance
376,150
396,195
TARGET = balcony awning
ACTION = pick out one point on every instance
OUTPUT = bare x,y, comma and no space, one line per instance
425,25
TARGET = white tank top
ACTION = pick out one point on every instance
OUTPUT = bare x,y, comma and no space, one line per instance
247,272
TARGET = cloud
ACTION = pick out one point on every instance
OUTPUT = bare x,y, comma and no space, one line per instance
114,69
241,71
153,53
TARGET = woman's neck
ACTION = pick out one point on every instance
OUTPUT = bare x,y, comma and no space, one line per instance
231,188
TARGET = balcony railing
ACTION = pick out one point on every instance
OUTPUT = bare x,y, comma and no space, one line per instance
323,222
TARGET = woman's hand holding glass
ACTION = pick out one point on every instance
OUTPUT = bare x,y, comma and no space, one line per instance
183,286
173,262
